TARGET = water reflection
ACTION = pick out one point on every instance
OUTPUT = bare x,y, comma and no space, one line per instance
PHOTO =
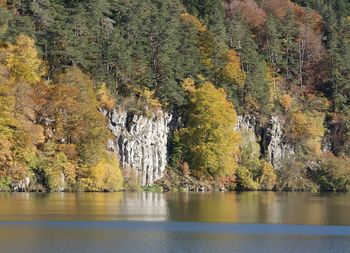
145,206
262,207
248,207
83,206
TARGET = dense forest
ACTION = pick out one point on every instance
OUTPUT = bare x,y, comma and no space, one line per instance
62,62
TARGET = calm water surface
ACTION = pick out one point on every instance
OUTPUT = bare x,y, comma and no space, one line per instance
150,222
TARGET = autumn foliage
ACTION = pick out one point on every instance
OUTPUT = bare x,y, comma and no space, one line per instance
211,142
303,16
23,61
232,70
249,10
52,136
194,21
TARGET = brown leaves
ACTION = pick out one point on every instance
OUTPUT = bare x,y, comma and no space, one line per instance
68,149
249,10
303,16
3,3
36,135
286,102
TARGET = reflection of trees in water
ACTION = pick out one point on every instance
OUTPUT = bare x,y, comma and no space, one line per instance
293,208
222,207
245,207
60,206
84,206
235,207
336,208
281,207
204,207
260,207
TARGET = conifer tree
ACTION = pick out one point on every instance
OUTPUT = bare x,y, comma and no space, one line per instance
273,43
290,53
254,96
212,12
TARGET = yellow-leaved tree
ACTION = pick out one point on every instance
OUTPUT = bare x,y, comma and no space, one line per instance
23,61
19,135
8,125
85,127
188,18
210,140
105,98
306,129
232,70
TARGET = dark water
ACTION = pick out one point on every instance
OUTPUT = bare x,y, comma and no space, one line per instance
148,222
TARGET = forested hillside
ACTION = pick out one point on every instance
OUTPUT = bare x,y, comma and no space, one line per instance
208,62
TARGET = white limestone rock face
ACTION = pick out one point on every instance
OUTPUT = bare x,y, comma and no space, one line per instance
277,149
246,126
274,147
22,185
140,142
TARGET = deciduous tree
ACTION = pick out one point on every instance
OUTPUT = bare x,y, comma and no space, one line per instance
211,143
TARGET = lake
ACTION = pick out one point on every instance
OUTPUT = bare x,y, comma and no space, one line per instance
174,222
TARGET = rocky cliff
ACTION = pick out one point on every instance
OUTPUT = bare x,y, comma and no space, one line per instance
140,142
275,147
271,138
247,125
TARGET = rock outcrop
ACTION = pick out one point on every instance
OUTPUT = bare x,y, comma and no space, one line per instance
140,142
246,125
21,186
271,139
276,149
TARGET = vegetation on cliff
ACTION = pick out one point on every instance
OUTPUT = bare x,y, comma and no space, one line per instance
208,61
52,133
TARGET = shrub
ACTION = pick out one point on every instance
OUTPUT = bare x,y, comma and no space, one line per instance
153,188
5,184
268,177
245,180
333,174
132,181
293,177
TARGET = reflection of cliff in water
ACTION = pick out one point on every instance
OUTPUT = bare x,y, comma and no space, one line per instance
233,207
83,206
145,206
